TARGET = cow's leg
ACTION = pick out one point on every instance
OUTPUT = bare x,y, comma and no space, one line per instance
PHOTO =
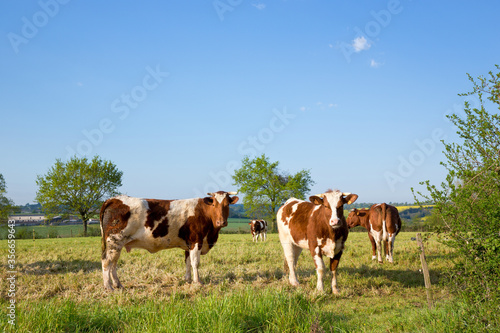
187,260
392,238
253,236
334,263
194,255
374,246
292,253
265,236
320,266
378,242
110,261
386,249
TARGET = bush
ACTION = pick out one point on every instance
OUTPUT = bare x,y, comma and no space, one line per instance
466,207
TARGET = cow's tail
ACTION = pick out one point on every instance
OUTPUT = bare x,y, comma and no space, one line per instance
103,236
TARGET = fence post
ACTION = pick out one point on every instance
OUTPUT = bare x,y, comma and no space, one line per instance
425,270
33,235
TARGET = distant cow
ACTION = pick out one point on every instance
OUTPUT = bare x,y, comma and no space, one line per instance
319,226
191,224
258,228
383,224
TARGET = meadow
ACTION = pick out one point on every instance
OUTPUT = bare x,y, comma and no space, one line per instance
244,289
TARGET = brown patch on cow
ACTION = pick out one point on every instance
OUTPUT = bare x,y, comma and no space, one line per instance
299,221
157,210
114,216
287,211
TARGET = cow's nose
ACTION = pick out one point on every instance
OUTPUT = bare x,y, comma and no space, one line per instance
334,222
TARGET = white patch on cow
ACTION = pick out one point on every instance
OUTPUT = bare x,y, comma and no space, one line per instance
330,249
333,199
303,243
220,197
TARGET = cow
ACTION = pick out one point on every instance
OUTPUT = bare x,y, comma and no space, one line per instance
383,224
258,228
318,225
191,224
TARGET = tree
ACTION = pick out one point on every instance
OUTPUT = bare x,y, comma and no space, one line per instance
6,204
266,188
467,204
78,187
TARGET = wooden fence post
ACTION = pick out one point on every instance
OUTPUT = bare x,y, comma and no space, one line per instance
425,270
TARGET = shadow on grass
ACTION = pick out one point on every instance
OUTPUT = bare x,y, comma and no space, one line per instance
406,277
59,267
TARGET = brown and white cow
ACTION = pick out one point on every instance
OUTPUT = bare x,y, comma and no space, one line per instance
383,224
258,228
191,224
319,226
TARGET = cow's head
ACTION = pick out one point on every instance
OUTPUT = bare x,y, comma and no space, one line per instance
252,225
333,202
354,217
218,206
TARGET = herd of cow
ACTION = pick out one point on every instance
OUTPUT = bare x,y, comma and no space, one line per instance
194,224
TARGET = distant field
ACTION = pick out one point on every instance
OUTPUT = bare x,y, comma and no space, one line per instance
403,208
59,289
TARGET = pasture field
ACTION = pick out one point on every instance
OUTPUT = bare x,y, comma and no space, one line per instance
59,288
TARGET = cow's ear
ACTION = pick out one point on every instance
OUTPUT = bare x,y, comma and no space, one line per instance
316,200
233,200
208,201
351,198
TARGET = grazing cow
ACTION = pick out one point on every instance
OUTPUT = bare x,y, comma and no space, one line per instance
258,228
383,224
319,226
191,224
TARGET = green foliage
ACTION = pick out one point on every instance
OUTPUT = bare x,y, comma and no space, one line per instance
6,204
266,187
467,204
78,187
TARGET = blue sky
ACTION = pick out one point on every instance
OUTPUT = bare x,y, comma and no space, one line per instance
176,93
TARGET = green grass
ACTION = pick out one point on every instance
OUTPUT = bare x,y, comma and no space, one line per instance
244,289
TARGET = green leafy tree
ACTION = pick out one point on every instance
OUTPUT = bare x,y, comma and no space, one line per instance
78,186
266,188
467,203
6,204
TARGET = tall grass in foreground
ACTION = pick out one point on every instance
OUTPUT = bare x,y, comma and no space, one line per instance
59,289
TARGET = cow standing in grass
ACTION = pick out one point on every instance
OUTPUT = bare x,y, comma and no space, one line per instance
258,228
383,224
319,226
191,224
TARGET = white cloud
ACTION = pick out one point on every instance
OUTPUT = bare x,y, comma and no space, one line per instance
360,43
375,64
259,6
